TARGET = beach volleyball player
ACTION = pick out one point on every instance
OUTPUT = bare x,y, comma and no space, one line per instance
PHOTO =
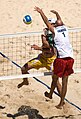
63,64
44,59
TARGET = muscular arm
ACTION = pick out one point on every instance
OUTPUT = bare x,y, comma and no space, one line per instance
57,14
45,19
59,20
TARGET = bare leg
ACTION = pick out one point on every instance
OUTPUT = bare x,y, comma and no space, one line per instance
24,70
63,92
53,86
59,87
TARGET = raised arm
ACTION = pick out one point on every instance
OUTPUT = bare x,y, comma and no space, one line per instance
59,20
45,19
57,14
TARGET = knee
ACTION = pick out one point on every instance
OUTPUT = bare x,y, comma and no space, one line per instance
24,69
54,77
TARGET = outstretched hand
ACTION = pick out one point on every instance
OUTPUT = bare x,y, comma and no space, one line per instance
35,47
53,11
37,9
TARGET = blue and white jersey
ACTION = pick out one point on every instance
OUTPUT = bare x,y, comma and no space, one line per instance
62,42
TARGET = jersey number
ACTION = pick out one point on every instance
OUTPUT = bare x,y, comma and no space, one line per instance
63,34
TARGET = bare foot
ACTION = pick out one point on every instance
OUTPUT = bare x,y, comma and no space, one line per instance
47,95
23,83
2,107
60,106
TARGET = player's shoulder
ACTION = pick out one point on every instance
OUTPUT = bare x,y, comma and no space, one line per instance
61,28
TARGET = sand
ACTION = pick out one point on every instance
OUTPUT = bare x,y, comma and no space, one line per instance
13,11
29,101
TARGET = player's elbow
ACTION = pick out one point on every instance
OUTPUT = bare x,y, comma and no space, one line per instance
59,22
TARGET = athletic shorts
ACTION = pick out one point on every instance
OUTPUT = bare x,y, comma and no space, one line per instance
41,61
63,66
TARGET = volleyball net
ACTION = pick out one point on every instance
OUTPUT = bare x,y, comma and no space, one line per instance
15,51
17,48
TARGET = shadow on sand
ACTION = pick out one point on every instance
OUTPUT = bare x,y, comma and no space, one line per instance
30,112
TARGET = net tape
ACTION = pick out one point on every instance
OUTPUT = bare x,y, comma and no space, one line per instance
25,76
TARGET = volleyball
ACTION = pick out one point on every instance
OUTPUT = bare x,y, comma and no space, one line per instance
27,19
